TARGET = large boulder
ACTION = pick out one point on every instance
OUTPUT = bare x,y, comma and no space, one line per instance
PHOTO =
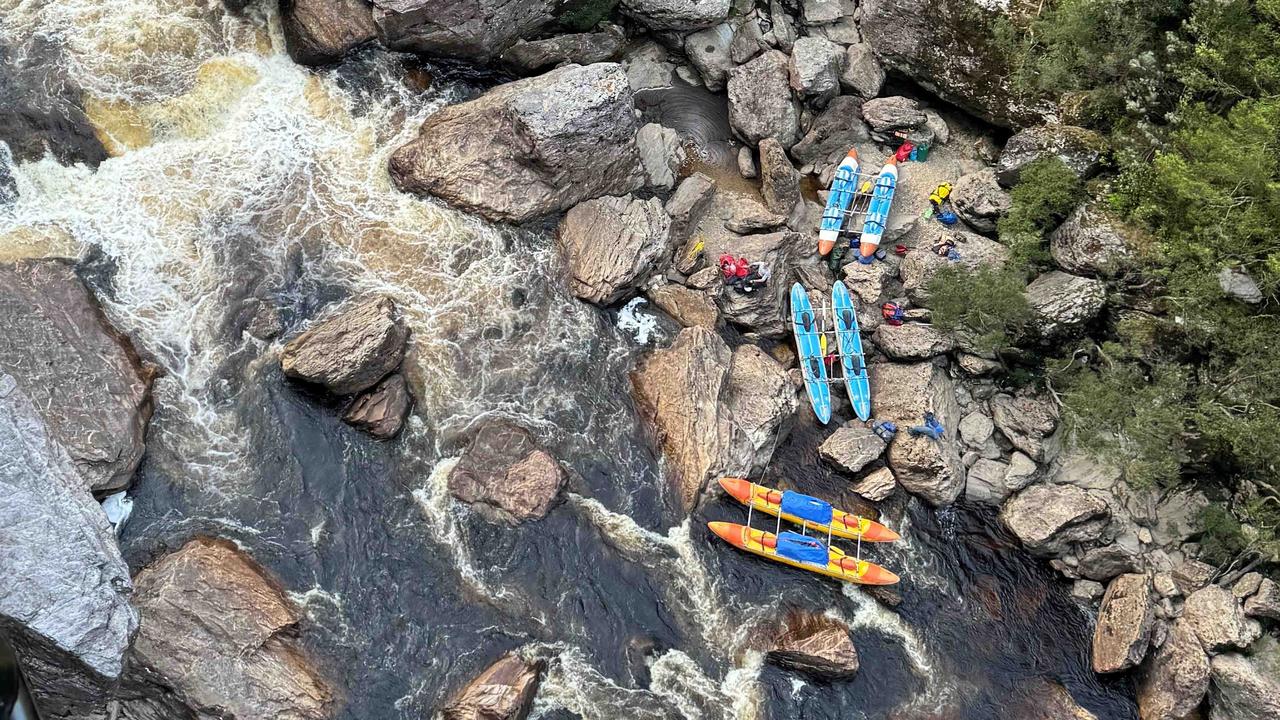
1093,241
64,601
686,306
814,68
710,52
779,181
1176,679
687,206
950,49
715,412
504,691
1215,614
350,349
585,48
986,482
322,31
217,640
764,309
679,15
473,29
921,265
1265,602
93,393
816,645
530,147
862,73
1029,422
760,101
980,201
381,411
836,129
1079,149
1246,688
926,467
505,475
852,447
893,113
610,245
1123,631
1064,303
913,341
1050,518
1239,285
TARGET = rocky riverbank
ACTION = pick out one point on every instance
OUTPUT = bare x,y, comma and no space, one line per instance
642,210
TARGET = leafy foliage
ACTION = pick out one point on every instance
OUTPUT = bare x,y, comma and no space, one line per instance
1046,192
988,305
582,15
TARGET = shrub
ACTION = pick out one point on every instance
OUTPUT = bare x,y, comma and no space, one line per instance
988,305
1047,191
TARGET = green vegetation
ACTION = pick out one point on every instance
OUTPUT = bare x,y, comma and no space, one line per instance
1184,388
582,15
987,305
1046,193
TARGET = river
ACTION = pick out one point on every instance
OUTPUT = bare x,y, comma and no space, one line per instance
246,191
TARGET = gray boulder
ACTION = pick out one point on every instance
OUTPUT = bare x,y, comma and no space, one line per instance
1064,303
783,34
834,131
349,350
820,12
322,31
929,468
1093,241
748,41
91,390
1218,621
976,428
921,265
64,602
661,153
473,29
884,114
709,51
852,447
1265,603
815,68
687,307
747,163
986,482
1123,631
679,15
1246,688
941,47
504,691
1029,422
763,310
980,201
580,48
912,341
687,206
1079,149
381,411
1049,518
648,66
1190,575
506,475
862,73
816,645
877,485
1176,679
530,147
779,181
760,101
1108,561
1237,284
610,245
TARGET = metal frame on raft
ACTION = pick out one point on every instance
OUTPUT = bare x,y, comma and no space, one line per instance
804,525
858,205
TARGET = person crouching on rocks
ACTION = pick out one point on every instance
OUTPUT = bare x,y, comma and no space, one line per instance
758,276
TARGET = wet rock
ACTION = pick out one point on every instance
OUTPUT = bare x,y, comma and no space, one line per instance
685,306
1123,631
661,154
1191,575
816,645
381,411
1064,303
1108,561
1265,603
760,102
921,265
852,447
1218,620
980,201
611,244
715,412
1239,285
92,391
1087,590
751,217
876,486
1092,241
779,181
862,73
929,468
1079,149
504,470
43,111
64,602
836,129
678,15
815,67
349,350
1029,422
976,428
892,113
504,691
1246,688
686,207
912,341
1049,518
216,640
1176,679
936,125
530,147
1044,700
317,32
986,482
474,29
936,45
580,48
709,51
747,163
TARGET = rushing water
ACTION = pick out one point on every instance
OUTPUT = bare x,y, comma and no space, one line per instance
246,192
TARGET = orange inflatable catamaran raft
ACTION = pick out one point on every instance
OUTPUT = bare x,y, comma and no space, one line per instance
803,552
770,501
